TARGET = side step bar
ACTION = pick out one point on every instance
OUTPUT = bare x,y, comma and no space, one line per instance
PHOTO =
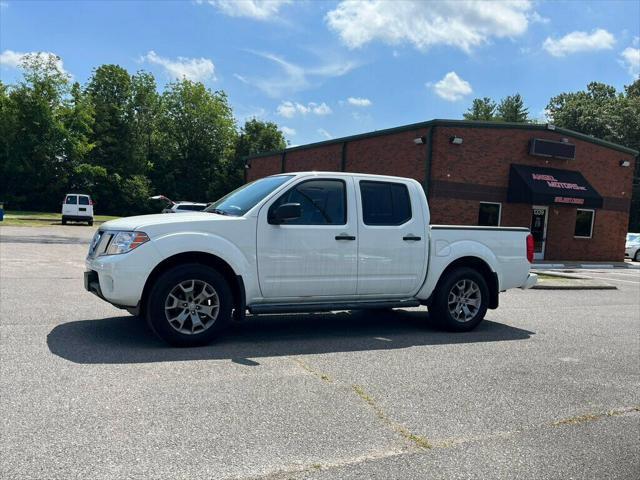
330,306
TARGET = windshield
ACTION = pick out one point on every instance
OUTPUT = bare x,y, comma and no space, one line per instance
633,238
243,199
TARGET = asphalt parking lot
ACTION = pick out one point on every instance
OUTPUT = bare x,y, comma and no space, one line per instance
547,387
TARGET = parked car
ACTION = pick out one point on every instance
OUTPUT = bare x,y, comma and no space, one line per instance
632,247
179,206
77,207
304,242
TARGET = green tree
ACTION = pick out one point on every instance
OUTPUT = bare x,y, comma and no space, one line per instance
255,137
512,109
35,170
197,137
110,91
78,118
594,111
481,109
603,112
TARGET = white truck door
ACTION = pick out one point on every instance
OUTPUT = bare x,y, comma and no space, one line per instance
85,209
316,254
70,206
392,245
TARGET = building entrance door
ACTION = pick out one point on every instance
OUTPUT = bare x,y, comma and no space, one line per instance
539,230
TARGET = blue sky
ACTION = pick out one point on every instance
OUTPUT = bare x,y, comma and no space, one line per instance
329,69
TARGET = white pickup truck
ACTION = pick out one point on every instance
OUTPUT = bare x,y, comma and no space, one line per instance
304,242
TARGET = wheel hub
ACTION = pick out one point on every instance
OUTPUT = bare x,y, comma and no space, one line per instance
464,300
192,306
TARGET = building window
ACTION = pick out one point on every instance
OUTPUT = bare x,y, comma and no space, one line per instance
385,203
584,223
489,214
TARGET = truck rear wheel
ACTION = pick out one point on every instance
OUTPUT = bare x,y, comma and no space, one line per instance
189,305
461,300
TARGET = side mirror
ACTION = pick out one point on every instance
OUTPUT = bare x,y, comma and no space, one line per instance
286,211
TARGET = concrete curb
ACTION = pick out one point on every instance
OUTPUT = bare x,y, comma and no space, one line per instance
539,286
587,266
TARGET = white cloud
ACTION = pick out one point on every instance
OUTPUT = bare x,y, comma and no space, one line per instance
451,87
455,23
255,9
293,78
325,134
631,60
196,69
535,17
4,4
288,131
11,59
290,109
359,102
575,42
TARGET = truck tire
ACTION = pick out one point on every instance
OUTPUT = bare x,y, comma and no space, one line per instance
64,221
461,300
90,222
189,305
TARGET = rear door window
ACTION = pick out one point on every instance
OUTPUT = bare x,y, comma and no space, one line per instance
84,200
72,200
385,203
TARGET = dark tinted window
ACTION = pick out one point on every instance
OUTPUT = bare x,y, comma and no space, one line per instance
83,200
584,223
323,202
194,208
385,203
489,214
72,200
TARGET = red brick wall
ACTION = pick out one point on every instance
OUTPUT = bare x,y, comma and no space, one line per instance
393,154
484,160
263,167
327,158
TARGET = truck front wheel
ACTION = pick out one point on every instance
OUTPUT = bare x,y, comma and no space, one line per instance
461,300
189,305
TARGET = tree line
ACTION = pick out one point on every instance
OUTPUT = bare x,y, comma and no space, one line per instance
119,139
600,111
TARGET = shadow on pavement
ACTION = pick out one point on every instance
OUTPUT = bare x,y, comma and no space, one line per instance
128,340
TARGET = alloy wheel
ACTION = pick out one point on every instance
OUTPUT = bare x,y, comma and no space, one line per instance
192,307
464,300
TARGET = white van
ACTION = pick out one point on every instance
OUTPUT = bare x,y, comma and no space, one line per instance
77,207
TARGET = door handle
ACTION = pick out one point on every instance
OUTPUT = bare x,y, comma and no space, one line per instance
345,237
411,238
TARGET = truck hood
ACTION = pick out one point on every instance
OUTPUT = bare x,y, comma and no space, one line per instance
140,222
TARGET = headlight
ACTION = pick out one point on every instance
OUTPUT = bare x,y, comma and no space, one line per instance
123,242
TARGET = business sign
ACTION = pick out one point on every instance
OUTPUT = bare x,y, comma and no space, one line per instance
547,186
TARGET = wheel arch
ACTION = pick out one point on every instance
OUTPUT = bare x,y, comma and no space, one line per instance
235,281
482,267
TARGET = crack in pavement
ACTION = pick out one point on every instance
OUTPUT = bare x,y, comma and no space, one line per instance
420,444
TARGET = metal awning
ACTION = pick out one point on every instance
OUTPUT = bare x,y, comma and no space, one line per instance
551,186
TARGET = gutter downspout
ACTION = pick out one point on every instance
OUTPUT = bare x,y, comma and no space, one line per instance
429,160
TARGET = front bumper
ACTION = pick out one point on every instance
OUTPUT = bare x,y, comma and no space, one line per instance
120,279
531,280
92,283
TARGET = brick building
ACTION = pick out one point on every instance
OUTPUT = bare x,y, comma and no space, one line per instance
571,189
